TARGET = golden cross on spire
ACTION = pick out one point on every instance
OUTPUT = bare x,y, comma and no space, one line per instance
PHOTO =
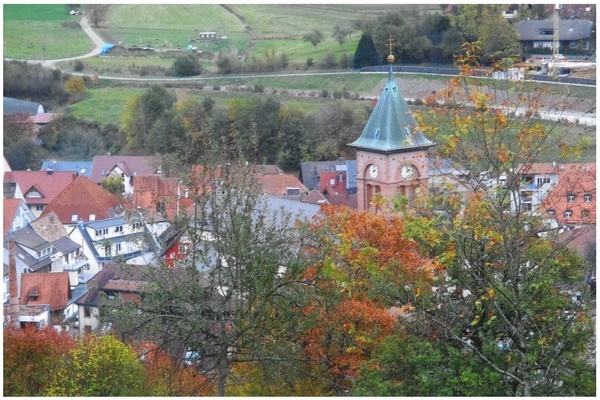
390,43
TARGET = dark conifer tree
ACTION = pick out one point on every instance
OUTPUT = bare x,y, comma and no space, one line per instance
365,54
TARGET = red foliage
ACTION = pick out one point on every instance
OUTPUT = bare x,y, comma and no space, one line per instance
30,355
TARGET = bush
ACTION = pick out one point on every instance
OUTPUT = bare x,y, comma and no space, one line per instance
324,93
186,65
79,65
309,62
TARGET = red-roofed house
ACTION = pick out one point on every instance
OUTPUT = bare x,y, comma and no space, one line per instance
124,167
83,200
39,188
281,185
162,195
572,202
333,182
51,289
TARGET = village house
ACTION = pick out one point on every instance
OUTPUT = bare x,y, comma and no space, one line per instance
39,188
165,196
124,168
573,33
83,200
45,289
15,214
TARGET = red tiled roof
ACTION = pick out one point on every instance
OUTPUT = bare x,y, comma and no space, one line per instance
138,165
148,190
46,288
338,186
83,198
276,185
48,183
579,180
9,212
350,200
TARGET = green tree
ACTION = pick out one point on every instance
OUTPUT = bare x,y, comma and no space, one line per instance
315,37
293,127
365,54
235,297
98,366
407,365
141,112
114,185
502,277
168,134
75,85
186,65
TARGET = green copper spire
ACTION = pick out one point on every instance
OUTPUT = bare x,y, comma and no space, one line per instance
391,127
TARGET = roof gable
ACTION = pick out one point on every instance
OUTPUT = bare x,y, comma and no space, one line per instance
84,200
49,227
278,185
102,166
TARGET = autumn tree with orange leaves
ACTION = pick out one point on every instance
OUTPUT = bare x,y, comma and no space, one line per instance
364,259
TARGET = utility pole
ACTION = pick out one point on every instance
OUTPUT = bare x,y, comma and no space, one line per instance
556,39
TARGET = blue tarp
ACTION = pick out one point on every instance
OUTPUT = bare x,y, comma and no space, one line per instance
106,48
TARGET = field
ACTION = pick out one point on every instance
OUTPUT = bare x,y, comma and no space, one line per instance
42,31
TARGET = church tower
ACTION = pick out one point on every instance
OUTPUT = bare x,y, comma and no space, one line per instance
391,152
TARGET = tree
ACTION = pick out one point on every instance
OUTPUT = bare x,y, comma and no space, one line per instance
235,298
498,38
186,65
114,185
98,366
75,85
97,13
341,34
362,257
501,292
141,112
30,357
365,54
315,37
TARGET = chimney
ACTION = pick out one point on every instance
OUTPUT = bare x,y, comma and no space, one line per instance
13,285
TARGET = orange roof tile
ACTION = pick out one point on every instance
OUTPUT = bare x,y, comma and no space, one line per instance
9,212
148,190
276,185
131,164
82,199
46,288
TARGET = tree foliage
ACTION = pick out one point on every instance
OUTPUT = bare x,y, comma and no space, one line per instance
186,65
315,37
501,289
30,357
365,54
98,366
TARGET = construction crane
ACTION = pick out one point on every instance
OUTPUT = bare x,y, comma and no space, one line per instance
556,41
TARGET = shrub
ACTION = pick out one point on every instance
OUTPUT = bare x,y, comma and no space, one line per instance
78,66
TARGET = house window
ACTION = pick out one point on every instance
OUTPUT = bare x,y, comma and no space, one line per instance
587,198
119,229
568,213
45,251
552,212
74,218
137,225
34,194
541,181
107,250
39,208
118,248
570,197
102,232
87,312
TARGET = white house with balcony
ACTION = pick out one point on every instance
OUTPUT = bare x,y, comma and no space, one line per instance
117,238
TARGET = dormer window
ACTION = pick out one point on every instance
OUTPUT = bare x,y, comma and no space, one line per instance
568,214
33,194
585,213
570,197
119,229
587,198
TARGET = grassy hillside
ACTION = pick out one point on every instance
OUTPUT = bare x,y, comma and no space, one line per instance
42,31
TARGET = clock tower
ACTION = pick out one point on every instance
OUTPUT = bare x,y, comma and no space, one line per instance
391,153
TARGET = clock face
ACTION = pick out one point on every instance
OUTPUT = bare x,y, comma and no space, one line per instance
373,171
407,171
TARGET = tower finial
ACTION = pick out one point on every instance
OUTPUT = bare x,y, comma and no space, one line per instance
390,57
